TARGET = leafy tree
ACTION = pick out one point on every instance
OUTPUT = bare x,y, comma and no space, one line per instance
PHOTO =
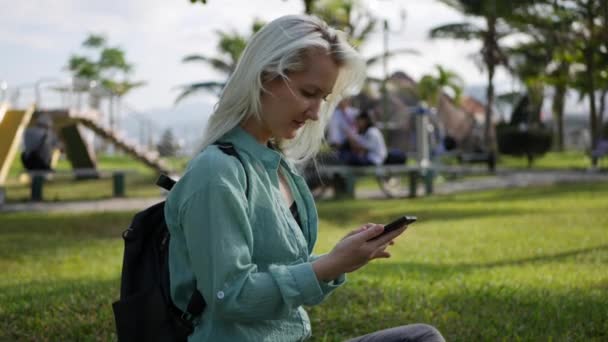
307,4
356,20
430,88
167,146
589,48
230,46
490,34
544,59
109,67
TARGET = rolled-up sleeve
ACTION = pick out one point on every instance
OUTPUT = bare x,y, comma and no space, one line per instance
219,240
328,287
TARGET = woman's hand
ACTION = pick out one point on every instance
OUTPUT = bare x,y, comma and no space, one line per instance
354,251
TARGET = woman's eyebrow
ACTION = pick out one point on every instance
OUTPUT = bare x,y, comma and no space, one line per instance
318,89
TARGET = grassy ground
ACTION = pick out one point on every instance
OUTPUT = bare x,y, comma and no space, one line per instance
551,160
522,264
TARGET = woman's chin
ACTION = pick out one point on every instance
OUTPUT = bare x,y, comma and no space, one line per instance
291,134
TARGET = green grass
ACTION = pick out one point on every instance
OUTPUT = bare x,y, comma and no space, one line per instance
551,160
522,264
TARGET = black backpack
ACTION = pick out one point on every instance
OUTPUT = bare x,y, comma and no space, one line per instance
145,311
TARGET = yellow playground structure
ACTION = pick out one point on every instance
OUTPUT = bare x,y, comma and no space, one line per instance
71,122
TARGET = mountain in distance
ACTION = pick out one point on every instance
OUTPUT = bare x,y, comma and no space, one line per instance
186,120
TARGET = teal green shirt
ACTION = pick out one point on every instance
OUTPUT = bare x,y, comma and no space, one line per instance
247,255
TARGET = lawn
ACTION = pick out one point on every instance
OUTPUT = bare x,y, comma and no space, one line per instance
520,264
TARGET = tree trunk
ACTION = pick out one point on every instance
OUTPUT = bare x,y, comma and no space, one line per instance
308,6
601,113
589,52
530,158
558,116
490,60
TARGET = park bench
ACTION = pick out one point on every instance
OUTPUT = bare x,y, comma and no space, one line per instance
486,158
393,180
390,179
38,179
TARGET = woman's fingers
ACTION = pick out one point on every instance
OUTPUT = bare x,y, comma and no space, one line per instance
359,230
369,233
382,255
387,238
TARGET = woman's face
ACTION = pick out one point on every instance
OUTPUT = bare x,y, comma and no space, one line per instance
288,104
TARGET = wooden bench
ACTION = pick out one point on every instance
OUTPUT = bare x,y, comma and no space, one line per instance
38,179
342,179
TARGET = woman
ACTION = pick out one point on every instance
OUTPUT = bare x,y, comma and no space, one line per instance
234,237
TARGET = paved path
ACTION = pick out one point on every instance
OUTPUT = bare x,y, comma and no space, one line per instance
504,179
113,204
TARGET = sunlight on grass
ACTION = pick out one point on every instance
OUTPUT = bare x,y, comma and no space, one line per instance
520,264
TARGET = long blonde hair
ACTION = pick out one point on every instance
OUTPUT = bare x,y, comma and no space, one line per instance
278,48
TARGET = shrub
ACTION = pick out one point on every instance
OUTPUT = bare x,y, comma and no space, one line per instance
521,140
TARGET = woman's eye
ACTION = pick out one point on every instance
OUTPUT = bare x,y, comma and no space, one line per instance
308,94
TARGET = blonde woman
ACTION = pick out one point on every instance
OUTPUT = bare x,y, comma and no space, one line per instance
243,229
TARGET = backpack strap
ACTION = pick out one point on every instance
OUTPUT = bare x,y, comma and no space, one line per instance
165,182
229,149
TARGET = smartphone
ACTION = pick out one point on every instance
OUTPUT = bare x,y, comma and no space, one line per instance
396,224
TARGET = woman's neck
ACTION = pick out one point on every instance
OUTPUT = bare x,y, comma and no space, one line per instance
254,127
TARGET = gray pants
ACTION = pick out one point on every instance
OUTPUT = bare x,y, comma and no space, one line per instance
404,333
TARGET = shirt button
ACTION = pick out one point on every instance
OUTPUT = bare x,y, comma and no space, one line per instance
220,295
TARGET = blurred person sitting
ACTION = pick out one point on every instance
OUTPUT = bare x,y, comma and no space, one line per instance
39,141
367,145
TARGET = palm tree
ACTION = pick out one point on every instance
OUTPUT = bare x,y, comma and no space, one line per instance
356,20
492,54
545,59
430,88
230,46
589,41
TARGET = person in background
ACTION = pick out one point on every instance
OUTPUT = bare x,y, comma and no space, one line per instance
39,140
367,143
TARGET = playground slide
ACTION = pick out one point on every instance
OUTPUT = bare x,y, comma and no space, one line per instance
80,154
139,153
12,125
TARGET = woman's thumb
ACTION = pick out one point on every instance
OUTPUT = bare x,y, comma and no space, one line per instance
371,233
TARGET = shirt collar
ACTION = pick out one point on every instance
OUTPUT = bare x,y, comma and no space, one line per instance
243,140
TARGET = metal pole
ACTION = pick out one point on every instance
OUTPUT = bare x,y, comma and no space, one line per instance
385,69
422,138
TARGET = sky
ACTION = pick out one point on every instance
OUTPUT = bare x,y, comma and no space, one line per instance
37,38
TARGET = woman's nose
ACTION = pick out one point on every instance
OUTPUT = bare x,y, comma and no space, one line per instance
312,112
